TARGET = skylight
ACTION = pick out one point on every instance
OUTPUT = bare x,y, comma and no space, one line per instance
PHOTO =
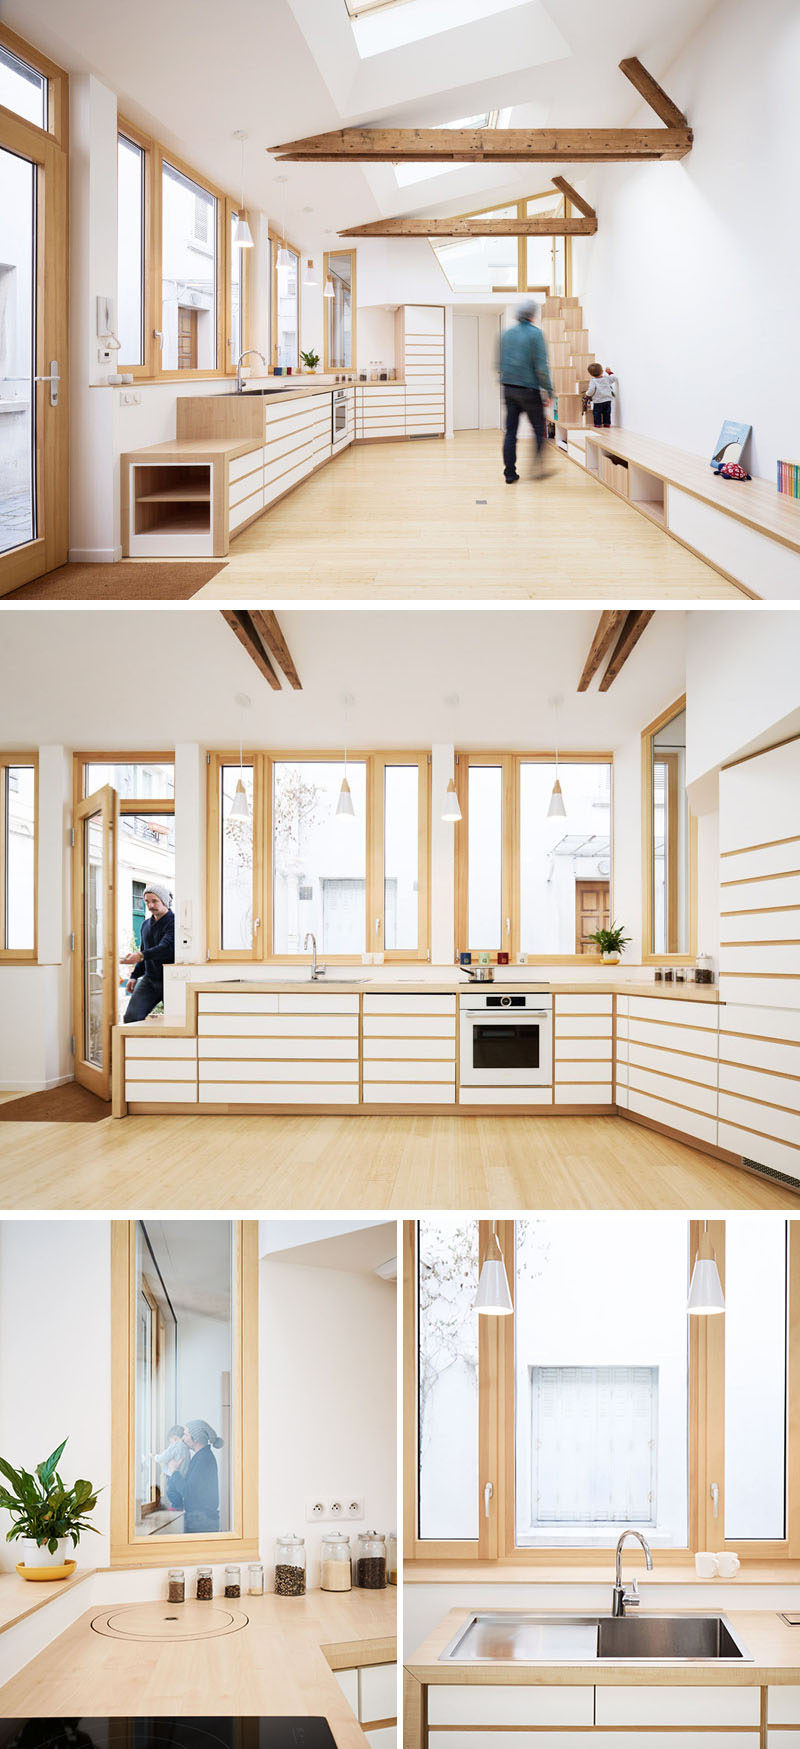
406,174
380,25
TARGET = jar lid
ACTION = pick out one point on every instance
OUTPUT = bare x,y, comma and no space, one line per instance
335,1536
291,1537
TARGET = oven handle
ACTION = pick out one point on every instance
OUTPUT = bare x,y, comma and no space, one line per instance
506,1014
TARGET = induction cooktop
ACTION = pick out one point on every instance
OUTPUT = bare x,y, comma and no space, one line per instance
158,1733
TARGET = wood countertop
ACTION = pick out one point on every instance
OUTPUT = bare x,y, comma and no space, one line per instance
22,1597
774,1648
195,449
281,1662
518,1573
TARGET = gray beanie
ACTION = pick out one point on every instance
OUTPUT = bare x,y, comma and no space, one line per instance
159,892
527,312
200,1430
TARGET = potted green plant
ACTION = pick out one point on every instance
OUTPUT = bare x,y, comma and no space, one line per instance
310,359
46,1513
612,943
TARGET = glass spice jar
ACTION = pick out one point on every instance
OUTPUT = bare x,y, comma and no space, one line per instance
176,1585
290,1566
255,1579
371,1561
391,1557
205,1585
233,1581
334,1566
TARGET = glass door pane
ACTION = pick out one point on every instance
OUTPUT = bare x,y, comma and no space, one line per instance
287,311
95,939
485,851
401,857
94,966
17,351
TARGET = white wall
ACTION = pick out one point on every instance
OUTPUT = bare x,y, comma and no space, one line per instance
742,688
689,286
328,1399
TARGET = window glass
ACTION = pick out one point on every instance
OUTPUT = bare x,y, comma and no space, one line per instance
236,861
481,264
755,1376
20,828
142,781
339,310
319,857
17,330
145,854
565,860
447,1282
601,1400
670,838
184,1383
401,857
287,306
22,89
189,273
485,852
130,251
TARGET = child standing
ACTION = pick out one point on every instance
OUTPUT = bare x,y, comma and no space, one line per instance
600,393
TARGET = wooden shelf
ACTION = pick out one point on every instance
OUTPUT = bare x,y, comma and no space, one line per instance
649,507
176,495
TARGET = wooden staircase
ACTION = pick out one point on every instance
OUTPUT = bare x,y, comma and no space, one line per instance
569,355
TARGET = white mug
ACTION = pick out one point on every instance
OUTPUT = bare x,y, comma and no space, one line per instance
727,1564
705,1565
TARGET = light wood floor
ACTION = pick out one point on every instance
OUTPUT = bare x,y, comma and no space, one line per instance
366,1163
408,519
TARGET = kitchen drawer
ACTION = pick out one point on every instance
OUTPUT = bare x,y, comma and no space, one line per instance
583,1093
324,1002
496,1705
783,1738
386,1738
248,508
762,1148
288,1069
753,1114
696,1041
560,1738
412,1069
277,1093
774,1089
771,925
660,1085
582,1069
377,1685
416,428
622,1096
582,1050
399,1005
283,1026
780,959
409,1026
409,1093
678,1706
750,1022
161,1092
281,462
246,1002
584,1004
240,490
348,1683
583,1026
171,1069
505,1096
661,1061
441,1050
269,1049
160,1047
783,1705
753,863
373,432
759,1053
276,488
674,1116
749,895
680,1011
239,465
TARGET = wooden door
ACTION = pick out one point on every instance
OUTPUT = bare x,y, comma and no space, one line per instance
592,899
34,461
187,339
95,923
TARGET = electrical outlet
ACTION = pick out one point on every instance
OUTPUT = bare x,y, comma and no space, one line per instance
354,1508
316,1509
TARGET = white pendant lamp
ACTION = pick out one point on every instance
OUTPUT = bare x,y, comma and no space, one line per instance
242,234
493,1298
308,276
329,291
451,809
556,805
240,806
705,1290
344,805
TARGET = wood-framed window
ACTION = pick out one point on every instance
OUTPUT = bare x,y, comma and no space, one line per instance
541,265
19,844
175,1366
669,844
182,288
32,87
144,784
289,864
536,1438
339,266
284,302
525,880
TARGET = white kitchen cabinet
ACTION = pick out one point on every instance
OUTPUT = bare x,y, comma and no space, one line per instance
496,1705
671,1705
284,1048
583,1050
377,1693
423,369
397,1064
759,802
759,1081
380,411
160,1070
385,1738
521,1096
783,1706
625,1738
672,1069
348,1683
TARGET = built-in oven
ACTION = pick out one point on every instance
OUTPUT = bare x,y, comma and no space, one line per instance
506,1039
339,426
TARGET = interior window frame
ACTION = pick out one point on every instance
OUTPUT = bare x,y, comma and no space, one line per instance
241,1543
327,363
649,956
129,131
564,210
277,242
57,87
19,955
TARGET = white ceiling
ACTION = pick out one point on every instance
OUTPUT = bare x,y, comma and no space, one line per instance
284,68
479,678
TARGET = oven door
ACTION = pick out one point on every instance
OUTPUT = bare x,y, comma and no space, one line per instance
339,417
506,1049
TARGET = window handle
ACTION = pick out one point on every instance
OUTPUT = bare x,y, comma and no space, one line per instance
508,926
256,924
487,1495
159,335
714,1492
377,925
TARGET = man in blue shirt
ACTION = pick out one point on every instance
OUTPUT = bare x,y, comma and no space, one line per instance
525,376
145,985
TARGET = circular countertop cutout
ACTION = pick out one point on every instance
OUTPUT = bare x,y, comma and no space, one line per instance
169,1621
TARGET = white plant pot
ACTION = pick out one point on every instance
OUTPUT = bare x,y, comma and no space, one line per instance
34,1555
611,959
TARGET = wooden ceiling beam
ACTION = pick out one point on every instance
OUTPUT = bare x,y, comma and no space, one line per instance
475,227
486,145
242,628
635,624
652,92
609,625
272,637
566,188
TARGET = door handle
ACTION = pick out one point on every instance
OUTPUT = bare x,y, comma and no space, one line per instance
53,378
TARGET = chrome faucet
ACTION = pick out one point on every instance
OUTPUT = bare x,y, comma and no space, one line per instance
316,971
620,1597
251,352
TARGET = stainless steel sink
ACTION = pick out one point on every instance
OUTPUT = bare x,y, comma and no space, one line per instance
530,1638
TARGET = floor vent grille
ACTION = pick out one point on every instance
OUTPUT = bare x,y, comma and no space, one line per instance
770,1172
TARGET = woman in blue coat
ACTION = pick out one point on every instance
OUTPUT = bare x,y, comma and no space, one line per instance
197,1493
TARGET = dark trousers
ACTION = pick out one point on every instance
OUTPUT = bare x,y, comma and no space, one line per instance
601,412
520,400
145,998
